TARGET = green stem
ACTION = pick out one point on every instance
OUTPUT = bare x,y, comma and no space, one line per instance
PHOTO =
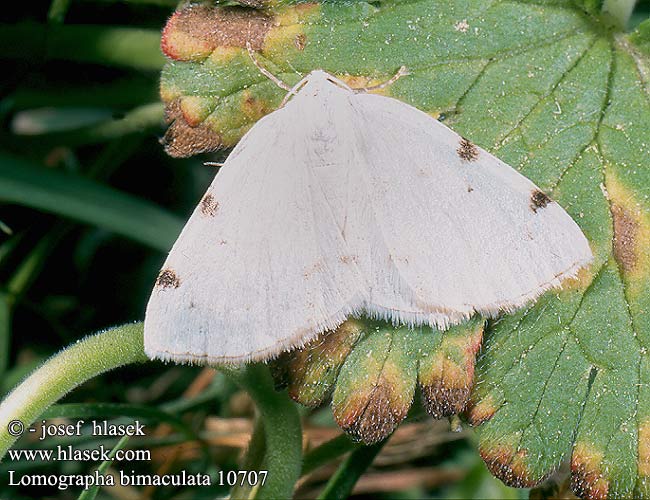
342,482
253,459
66,370
282,430
620,10
148,117
138,120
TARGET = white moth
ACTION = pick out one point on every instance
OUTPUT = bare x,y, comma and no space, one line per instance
344,203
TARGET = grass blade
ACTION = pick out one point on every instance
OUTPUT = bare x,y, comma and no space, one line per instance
342,482
105,45
5,333
24,183
91,493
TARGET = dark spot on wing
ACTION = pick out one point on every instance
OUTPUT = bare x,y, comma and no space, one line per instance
209,205
167,279
466,150
538,200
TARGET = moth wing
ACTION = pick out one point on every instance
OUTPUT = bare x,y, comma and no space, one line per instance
259,267
455,230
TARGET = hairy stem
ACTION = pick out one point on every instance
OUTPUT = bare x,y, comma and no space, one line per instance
66,370
282,430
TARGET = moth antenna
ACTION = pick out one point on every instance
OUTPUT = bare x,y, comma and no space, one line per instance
212,164
403,71
294,90
299,73
265,71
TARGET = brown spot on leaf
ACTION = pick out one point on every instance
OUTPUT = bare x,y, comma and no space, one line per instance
625,231
194,32
482,411
644,448
209,205
167,279
374,418
300,41
254,107
538,200
446,376
508,465
587,478
255,4
467,150
182,139
440,401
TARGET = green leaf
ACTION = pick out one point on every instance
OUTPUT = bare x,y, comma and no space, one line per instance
555,91
568,376
591,6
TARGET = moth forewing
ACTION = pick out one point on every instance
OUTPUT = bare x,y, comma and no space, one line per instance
343,203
